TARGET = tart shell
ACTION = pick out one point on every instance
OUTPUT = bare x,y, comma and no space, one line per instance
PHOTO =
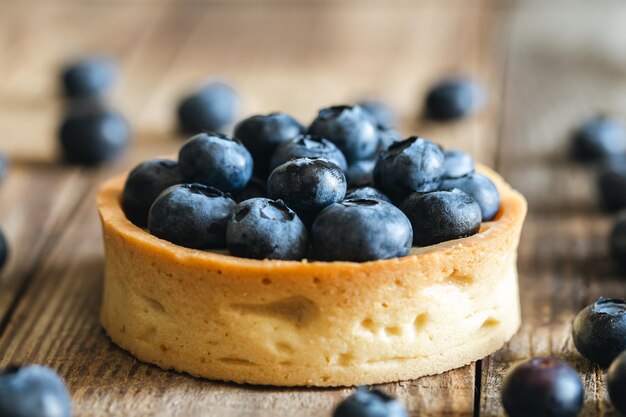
300,323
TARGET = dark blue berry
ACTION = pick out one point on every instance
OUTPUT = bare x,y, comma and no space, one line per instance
93,135
33,391
612,183
348,127
370,403
307,185
4,250
262,135
212,108
457,164
89,77
481,189
598,138
382,115
616,379
216,160
361,230
415,164
144,184
266,229
617,240
192,215
366,192
256,188
386,138
454,99
440,216
542,387
307,146
599,330
4,167
360,173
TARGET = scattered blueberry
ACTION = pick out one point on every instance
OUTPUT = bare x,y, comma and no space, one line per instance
542,387
92,135
348,127
307,146
307,185
89,77
366,192
382,115
612,183
266,229
216,160
440,216
360,173
616,379
4,250
599,330
370,403
255,188
212,108
361,230
481,189
454,98
458,164
144,184
263,133
33,391
415,164
386,138
617,240
4,167
598,138
191,215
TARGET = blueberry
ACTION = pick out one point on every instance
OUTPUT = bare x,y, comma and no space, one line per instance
262,134
382,115
616,380
458,164
599,330
144,184
266,229
307,146
617,240
33,391
4,250
370,403
415,164
89,77
598,138
481,188
191,215
360,173
542,387
212,108
386,138
361,230
4,167
256,188
307,185
366,192
348,127
440,216
612,183
216,160
93,135
454,98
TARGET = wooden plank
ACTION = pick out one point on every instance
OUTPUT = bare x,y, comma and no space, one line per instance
297,58
564,65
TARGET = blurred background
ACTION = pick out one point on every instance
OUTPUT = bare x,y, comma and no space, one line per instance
545,69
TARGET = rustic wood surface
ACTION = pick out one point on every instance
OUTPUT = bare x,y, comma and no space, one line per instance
545,67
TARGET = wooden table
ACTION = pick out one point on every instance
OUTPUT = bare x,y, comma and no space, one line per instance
546,67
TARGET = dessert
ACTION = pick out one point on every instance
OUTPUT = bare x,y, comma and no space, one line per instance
304,286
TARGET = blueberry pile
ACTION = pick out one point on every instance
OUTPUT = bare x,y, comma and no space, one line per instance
279,190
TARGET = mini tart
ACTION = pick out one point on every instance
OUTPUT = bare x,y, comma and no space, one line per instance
299,323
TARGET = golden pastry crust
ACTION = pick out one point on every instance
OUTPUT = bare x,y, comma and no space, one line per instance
291,323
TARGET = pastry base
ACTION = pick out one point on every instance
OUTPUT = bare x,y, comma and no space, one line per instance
290,323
